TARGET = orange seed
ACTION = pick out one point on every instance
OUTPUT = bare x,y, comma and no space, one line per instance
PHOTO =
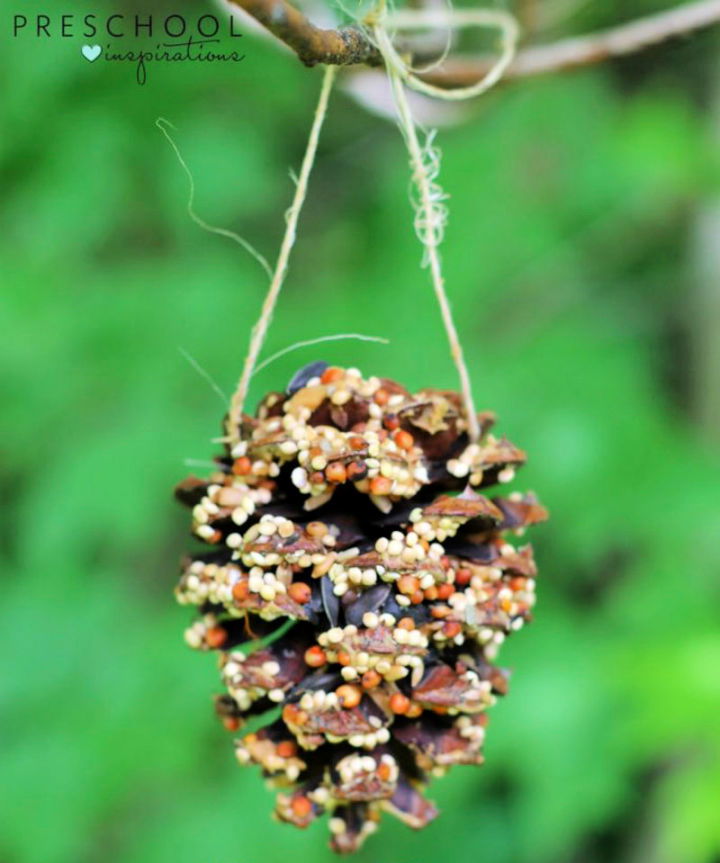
331,374
384,771
344,657
300,592
301,806
240,591
336,472
349,696
451,628
315,656
215,637
463,576
403,439
370,679
445,591
286,749
380,485
399,703
407,584
242,466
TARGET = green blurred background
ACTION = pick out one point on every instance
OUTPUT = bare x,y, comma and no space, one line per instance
581,256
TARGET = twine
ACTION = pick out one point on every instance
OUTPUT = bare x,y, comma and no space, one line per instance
430,215
430,211
163,125
336,337
391,22
288,241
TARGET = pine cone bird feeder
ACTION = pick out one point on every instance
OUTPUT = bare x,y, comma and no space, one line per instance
356,582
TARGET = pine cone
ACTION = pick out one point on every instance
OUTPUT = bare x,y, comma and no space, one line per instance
350,551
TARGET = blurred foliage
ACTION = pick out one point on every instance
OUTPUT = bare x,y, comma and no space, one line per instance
568,258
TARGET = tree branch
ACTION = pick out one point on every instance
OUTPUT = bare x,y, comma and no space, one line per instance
586,50
350,45
342,47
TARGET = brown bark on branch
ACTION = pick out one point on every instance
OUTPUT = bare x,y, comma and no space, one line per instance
350,45
342,47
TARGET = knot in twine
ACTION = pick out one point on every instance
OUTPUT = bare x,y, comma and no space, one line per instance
385,24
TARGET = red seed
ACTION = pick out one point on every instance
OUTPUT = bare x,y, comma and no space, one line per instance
381,397
231,723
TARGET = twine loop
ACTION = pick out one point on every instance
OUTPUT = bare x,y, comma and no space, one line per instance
386,24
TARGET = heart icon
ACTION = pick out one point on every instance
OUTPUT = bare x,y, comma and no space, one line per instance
91,52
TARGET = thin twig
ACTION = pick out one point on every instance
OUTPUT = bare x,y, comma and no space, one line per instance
260,329
351,45
585,50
